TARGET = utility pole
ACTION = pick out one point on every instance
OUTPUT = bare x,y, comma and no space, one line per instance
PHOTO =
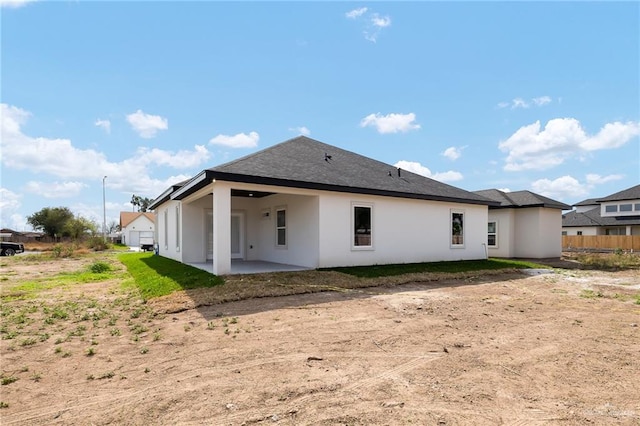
104,212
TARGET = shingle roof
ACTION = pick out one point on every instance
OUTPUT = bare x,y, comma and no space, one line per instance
632,193
592,218
520,199
303,162
587,202
127,217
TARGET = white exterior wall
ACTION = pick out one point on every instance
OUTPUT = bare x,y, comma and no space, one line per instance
403,231
141,223
587,230
538,233
505,223
194,243
167,243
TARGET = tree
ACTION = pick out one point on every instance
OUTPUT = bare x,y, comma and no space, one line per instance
113,227
51,220
141,202
79,226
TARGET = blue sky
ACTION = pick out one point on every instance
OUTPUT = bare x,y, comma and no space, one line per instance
538,96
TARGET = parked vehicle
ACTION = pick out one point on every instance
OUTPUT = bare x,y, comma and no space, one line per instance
146,243
10,249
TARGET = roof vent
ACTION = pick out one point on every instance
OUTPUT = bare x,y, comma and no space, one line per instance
399,172
327,157
390,173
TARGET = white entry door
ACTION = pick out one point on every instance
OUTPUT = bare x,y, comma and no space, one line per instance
237,235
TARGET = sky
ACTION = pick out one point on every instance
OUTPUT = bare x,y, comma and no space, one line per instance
510,95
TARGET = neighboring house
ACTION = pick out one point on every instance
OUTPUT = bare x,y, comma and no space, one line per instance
524,224
616,214
134,225
306,203
21,237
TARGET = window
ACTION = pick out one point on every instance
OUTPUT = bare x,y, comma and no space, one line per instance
579,233
457,228
166,229
281,227
611,208
626,207
177,228
637,207
564,232
615,231
362,226
492,234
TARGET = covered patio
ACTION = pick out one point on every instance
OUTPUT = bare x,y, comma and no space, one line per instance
239,266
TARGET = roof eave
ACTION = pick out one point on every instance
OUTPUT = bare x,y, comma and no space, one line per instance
206,176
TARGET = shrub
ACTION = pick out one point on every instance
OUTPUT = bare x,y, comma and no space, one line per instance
99,267
97,243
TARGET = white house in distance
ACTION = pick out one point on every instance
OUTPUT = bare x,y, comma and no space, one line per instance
524,224
306,203
134,225
616,214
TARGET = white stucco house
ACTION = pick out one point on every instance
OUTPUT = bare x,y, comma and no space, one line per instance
310,204
615,214
524,224
134,225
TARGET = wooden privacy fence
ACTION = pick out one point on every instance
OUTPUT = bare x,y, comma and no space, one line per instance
604,242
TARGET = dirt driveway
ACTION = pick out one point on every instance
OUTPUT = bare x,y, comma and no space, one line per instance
559,348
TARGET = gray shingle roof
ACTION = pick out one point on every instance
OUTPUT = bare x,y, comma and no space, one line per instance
632,193
587,202
592,218
520,199
303,162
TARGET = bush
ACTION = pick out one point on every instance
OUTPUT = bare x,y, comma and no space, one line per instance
99,267
97,243
63,250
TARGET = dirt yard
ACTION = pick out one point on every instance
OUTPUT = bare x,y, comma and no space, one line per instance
560,348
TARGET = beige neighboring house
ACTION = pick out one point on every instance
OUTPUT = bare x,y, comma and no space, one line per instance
615,214
524,225
136,225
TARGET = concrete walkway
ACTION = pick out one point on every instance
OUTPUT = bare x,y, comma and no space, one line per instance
251,267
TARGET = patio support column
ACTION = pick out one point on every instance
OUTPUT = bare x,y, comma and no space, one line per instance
221,228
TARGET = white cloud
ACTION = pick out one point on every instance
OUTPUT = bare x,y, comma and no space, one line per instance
60,159
55,189
595,179
524,104
380,22
542,100
356,13
519,103
180,160
104,124
14,4
417,168
241,140
9,205
568,187
391,123
533,148
301,130
147,125
372,22
453,153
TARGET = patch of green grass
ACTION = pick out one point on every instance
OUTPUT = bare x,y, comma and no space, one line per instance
375,271
158,276
590,294
7,380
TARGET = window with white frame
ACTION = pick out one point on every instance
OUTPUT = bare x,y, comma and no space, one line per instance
612,208
636,207
166,229
457,228
362,215
626,207
178,228
281,227
492,234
